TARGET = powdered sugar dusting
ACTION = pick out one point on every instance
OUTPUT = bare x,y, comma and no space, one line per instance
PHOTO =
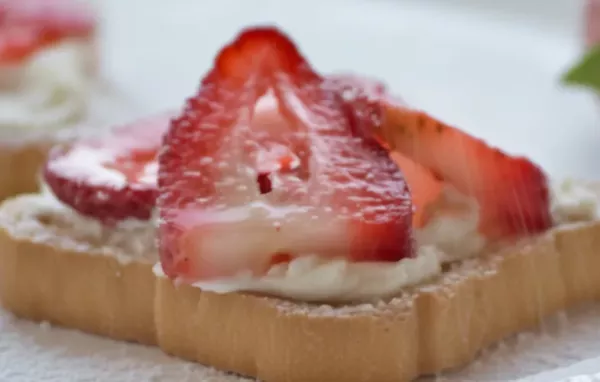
80,162
30,352
33,352
563,340
43,219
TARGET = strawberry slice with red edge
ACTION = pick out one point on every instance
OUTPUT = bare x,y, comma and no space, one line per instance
113,177
263,166
362,98
365,99
26,26
512,192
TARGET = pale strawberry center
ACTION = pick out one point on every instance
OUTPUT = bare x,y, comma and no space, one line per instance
249,237
267,205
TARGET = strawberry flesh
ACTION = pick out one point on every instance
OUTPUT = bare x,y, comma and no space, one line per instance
263,165
26,26
365,98
111,178
425,188
362,99
512,192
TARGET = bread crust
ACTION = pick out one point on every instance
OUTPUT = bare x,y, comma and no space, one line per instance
19,167
440,325
79,288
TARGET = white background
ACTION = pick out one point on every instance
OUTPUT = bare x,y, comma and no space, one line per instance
490,67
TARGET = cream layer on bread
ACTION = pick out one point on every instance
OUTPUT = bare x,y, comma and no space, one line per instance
47,92
39,99
446,239
451,235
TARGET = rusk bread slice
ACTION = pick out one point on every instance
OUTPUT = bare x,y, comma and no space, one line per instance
58,267
434,327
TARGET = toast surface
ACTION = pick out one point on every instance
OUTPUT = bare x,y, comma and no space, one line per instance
96,281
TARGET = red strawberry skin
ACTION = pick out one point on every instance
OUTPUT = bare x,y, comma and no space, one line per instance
362,98
110,178
334,192
512,191
365,100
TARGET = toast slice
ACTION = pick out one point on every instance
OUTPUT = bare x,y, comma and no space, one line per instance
430,328
59,267
100,281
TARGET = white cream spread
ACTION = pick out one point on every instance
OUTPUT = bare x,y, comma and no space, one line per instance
47,92
127,241
450,235
453,228
573,201
312,278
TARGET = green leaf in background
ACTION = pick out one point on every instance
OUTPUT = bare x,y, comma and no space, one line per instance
586,72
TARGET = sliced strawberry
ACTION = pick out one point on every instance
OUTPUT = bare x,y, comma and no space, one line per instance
26,26
362,97
263,166
519,206
425,188
365,98
112,178
512,191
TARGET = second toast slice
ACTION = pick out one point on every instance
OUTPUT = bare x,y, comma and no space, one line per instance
59,267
